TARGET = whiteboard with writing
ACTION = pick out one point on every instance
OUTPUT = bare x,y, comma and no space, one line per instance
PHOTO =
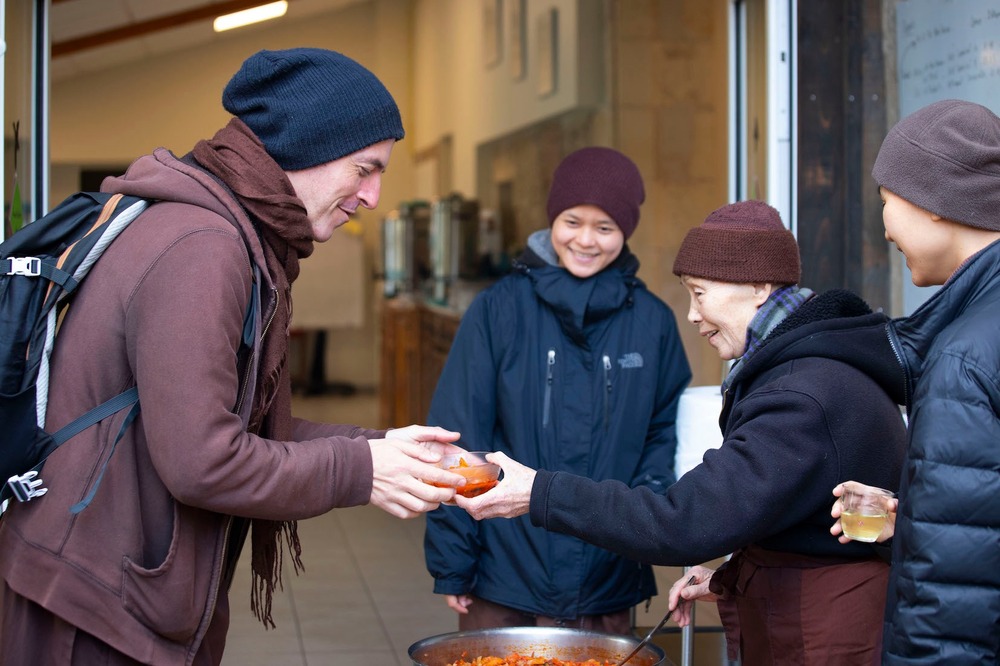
948,49
945,49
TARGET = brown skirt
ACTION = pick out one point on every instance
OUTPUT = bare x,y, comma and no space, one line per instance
783,608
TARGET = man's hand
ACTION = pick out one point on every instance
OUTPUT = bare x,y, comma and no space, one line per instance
403,466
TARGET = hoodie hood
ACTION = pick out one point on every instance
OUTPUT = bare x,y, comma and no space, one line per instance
161,176
840,326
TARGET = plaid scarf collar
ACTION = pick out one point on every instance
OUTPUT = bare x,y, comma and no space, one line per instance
781,303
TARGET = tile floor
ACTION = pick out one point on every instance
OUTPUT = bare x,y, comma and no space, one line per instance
365,595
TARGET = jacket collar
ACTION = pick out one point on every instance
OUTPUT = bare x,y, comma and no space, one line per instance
976,279
578,302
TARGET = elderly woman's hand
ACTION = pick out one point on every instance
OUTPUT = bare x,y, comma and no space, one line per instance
691,587
509,498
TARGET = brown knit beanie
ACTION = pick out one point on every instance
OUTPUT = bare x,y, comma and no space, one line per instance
601,177
742,242
945,158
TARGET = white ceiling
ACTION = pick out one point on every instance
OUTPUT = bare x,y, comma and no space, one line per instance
73,19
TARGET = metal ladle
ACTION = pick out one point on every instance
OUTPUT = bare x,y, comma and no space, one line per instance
649,636
652,632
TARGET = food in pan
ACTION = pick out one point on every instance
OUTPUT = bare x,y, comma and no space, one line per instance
515,659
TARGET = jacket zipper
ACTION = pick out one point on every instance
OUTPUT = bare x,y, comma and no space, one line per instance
229,519
253,353
894,343
607,392
207,619
550,363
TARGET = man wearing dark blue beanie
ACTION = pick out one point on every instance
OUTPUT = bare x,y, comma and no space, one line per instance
310,106
143,573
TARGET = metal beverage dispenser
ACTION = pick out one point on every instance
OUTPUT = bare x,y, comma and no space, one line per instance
405,253
442,249
397,252
454,230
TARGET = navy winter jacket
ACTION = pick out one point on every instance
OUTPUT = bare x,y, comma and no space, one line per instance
944,596
562,373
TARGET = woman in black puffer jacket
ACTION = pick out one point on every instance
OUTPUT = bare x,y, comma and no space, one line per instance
939,176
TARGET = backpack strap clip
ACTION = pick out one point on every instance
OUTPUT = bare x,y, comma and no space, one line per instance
26,487
30,266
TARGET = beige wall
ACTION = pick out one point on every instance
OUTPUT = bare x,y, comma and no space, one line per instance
671,103
461,96
653,71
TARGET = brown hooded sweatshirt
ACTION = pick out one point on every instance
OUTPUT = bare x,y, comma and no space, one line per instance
141,568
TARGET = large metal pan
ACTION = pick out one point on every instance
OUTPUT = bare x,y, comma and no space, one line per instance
568,644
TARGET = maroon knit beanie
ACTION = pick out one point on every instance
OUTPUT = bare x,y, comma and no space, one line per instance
742,242
601,177
945,158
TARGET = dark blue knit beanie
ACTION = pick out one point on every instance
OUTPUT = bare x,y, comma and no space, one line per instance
311,106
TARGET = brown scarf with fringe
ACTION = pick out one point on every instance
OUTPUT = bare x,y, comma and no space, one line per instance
237,157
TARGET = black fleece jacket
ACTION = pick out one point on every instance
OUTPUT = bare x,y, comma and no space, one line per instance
817,404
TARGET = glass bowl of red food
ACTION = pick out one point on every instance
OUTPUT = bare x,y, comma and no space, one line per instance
479,474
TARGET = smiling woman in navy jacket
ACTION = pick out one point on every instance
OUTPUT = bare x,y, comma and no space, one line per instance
571,364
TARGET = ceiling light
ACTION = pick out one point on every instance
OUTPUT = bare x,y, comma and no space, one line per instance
252,15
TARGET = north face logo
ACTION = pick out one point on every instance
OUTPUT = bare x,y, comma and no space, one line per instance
630,360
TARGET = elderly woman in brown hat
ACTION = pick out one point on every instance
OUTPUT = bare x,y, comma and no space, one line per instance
799,414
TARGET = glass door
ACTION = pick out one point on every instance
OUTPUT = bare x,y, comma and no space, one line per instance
24,91
762,108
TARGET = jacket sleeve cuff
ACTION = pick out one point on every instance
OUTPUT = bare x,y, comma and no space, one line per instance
304,430
537,509
353,471
449,586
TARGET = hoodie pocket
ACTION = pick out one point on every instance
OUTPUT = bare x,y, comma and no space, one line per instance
173,598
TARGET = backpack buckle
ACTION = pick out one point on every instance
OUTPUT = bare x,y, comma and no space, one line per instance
30,266
26,487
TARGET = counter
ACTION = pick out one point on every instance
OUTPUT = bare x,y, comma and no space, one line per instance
416,338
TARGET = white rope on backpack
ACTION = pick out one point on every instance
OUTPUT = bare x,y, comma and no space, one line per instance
110,234
107,236
42,382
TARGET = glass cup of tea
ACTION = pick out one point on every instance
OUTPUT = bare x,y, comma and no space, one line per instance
864,511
